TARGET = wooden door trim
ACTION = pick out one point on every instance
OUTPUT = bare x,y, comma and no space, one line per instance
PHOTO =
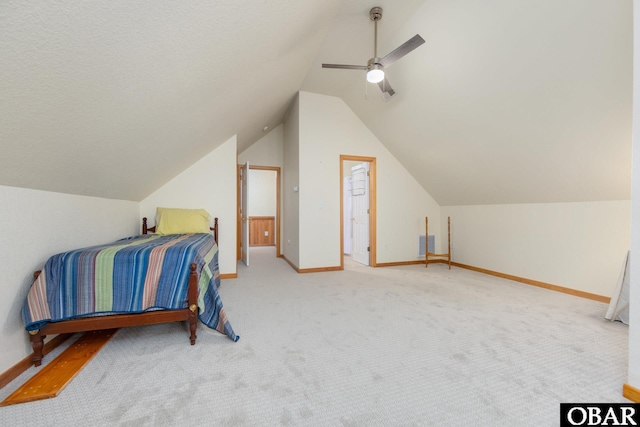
277,170
372,207
238,216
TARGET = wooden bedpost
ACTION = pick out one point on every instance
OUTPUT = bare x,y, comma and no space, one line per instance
193,302
144,225
37,342
215,229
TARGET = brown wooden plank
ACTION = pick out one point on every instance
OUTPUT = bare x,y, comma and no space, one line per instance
27,362
631,393
55,376
258,225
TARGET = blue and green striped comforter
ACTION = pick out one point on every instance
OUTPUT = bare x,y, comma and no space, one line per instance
131,275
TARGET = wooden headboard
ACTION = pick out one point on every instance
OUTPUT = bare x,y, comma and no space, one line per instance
146,229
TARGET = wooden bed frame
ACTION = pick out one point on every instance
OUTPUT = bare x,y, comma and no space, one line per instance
114,321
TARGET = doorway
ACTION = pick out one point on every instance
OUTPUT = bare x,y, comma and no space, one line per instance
358,210
255,194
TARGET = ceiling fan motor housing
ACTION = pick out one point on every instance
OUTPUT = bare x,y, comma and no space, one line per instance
371,64
375,13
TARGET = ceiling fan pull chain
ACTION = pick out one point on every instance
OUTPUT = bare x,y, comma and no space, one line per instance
366,89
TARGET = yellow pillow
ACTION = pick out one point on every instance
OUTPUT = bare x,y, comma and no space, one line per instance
181,221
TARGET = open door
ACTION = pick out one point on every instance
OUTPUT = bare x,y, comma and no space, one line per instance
244,213
360,212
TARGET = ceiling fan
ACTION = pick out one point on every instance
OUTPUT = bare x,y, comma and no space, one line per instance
375,66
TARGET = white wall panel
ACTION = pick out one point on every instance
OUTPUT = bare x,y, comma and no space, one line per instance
328,128
575,245
291,176
209,184
35,225
262,194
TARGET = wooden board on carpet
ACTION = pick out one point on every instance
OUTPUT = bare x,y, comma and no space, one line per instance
55,376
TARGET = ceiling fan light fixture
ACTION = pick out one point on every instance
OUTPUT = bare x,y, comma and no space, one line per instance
375,66
375,74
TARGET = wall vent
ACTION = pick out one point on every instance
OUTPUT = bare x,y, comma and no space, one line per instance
422,242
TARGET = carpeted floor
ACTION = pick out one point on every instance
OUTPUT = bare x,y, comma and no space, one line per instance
397,346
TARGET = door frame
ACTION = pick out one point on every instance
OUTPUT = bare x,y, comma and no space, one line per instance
244,219
239,219
372,207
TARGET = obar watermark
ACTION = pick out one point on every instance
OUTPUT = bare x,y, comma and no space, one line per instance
599,414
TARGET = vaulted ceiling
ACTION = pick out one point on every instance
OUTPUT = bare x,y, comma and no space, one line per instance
508,101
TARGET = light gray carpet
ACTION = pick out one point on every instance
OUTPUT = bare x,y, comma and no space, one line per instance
400,346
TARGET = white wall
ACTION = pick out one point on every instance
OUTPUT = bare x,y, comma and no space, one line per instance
262,193
268,151
634,304
209,184
37,224
290,176
329,128
575,245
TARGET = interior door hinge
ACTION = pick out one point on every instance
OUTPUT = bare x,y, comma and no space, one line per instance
367,210
368,249
367,173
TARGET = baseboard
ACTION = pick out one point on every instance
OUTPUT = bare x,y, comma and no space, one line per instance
229,276
319,269
312,270
290,263
17,369
556,288
397,263
631,393
575,292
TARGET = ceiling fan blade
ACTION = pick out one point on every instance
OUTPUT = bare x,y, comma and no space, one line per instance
346,67
385,87
402,50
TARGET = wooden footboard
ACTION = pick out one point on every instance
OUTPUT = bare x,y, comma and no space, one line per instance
113,321
190,314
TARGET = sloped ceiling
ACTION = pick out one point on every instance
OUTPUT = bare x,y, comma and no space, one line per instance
114,98
508,101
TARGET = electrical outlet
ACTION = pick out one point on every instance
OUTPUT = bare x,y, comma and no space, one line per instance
266,233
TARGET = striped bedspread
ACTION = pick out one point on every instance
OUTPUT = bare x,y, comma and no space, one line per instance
131,275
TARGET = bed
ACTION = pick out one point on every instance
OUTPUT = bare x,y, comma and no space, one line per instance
141,280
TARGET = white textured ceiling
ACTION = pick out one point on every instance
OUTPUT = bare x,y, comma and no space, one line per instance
114,98
508,101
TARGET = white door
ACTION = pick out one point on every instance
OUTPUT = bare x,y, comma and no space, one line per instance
244,213
360,210
347,214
